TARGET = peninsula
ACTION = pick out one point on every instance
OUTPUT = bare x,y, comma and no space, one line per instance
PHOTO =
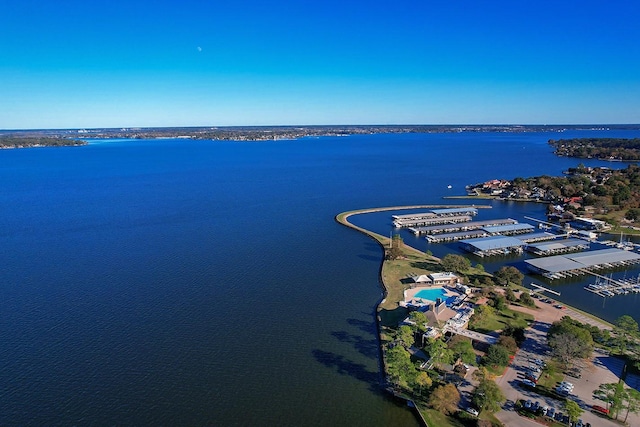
458,360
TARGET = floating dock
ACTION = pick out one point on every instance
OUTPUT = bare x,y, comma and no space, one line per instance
608,287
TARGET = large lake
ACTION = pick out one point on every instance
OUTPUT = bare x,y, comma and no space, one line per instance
174,282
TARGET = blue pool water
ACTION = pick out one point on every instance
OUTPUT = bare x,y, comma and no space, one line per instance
431,294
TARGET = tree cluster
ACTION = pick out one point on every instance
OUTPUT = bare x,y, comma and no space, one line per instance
598,148
569,340
37,141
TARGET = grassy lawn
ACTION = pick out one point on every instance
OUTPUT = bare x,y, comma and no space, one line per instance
486,415
496,321
551,375
435,418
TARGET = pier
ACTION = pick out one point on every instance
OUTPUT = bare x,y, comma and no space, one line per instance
543,289
608,287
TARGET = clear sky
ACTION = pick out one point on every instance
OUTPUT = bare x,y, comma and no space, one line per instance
112,63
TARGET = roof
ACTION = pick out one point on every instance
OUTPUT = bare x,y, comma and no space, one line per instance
554,264
493,242
508,228
560,263
421,278
537,236
604,256
450,211
559,245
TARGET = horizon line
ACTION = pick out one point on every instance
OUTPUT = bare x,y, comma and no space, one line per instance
318,126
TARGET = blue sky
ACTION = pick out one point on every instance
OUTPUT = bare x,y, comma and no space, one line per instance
74,64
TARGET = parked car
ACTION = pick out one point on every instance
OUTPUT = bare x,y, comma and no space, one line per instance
531,378
527,404
567,385
472,411
600,409
574,374
528,383
551,412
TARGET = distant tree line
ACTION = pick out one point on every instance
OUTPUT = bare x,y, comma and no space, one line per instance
37,141
627,149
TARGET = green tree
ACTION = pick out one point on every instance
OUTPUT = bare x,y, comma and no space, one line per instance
569,340
509,343
399,366
509,274
631,402
608,392
420,319
482,312
573,409
438,351
496,355
525,299
396,249
458,263
423,381
488,396
509,295
627,325
462,349
405,336
445,399
499,302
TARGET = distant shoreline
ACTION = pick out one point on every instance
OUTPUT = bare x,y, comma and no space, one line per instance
275,133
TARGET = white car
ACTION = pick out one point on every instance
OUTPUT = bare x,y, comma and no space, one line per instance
473,411
567,385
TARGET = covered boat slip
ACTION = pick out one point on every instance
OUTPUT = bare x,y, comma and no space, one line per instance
439,212
509,229
433,220
474,234
561,266
464,226
538,237
558,247
434,216
493,245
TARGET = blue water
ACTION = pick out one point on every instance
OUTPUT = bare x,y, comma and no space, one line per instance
433,294
174,282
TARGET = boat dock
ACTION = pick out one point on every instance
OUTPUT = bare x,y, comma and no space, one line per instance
608,287
458,227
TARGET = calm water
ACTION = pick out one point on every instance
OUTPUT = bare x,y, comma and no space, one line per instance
181,282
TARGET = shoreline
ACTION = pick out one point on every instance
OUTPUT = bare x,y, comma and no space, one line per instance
342,218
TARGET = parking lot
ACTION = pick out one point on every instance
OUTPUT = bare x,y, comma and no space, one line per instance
600,369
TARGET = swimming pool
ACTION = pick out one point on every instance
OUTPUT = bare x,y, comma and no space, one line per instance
431,294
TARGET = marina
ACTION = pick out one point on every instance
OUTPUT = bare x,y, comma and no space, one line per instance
609,287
